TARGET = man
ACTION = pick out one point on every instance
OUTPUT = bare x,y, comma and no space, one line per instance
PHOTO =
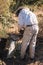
27,20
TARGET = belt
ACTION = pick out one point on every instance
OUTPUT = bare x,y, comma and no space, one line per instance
30,25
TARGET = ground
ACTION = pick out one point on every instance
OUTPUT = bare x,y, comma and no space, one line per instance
38,57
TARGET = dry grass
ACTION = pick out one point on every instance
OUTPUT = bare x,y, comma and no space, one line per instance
14,27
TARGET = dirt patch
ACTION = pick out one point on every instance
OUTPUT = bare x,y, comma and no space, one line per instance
27,61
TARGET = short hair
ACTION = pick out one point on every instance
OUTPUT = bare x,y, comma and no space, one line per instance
18,10
17,13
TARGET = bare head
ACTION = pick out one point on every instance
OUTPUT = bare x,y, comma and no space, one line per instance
20,8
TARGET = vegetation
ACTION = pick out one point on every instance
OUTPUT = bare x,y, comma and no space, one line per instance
16,3
7,7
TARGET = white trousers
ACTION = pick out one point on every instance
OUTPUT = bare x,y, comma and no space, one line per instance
29,38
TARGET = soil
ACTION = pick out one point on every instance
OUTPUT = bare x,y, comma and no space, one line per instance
27,61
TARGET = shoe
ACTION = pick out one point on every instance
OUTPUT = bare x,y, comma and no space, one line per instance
32,59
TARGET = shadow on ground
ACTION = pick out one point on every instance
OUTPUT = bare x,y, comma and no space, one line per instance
38,57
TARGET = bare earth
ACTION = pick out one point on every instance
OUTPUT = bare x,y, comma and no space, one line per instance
38,57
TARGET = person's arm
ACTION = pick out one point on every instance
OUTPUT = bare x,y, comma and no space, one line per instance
35,19
21,24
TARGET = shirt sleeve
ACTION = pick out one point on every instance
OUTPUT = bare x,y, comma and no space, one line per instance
35,19
20,19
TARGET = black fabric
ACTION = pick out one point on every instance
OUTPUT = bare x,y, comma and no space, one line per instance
15,37
21,32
